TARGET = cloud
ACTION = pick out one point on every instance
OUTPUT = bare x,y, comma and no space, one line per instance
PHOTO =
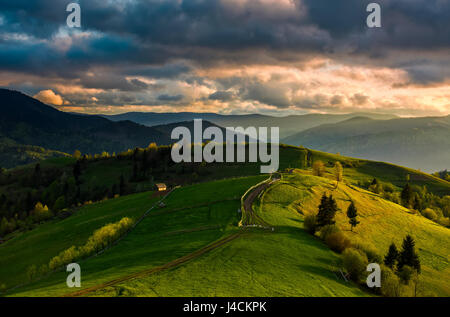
222,96
263,55
170,98
49,97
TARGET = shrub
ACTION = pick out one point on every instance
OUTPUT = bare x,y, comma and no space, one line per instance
390,283
444,221
41,212
318,168
337,242
429,214
327,230
355,263
310,224
99,240
376,188
31,272
405,274
60,203
388,188
371,252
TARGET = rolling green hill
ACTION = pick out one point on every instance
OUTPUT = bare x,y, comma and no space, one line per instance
289,262
13,154
192,246
381,222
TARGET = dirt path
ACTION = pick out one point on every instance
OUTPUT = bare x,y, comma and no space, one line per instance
166,266
248,207
248,203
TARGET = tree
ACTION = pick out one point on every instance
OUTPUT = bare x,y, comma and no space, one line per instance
4,226
37,175
29,202
408,255
391,257
41,212
352,213
355,263
77,154
135,172
318,168
77,172
338,171
327,211
310,224
122,186
406,195
417,205
31,272
60,204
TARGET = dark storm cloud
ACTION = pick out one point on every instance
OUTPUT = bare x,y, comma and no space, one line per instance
222,96
164,71
170,98
111,81
148,38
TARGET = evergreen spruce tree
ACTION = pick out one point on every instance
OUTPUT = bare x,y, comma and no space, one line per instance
333,208
37,175
77,172
323,207
408,255
392,256
327,211
122,186
352,213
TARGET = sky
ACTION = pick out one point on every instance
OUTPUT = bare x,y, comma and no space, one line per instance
275,57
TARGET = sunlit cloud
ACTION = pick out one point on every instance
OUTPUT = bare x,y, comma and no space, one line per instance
49,97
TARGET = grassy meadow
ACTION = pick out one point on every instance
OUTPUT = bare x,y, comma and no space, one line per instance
256,262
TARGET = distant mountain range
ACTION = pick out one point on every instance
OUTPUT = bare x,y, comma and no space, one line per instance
28,121
288,125
31,131
421,143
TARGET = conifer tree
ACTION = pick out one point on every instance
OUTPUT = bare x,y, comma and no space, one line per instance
122,186
392,256
327,211
408,255
77,172
352,213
